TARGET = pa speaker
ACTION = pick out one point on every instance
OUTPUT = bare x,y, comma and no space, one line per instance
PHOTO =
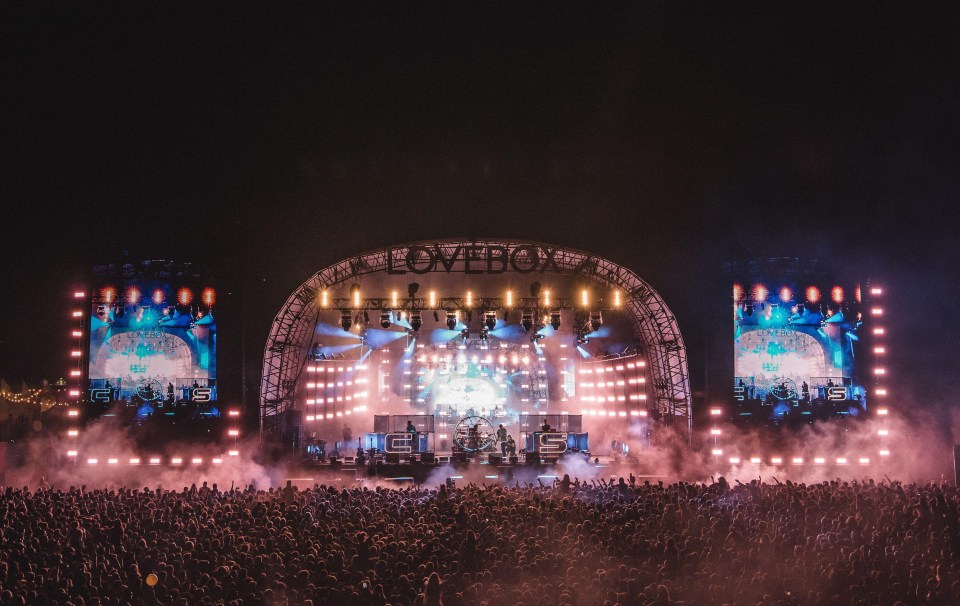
393,457
428,457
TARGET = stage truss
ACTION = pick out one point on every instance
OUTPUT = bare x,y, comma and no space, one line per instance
291,334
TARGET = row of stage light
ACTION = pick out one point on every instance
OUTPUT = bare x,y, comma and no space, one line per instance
534,311
760,296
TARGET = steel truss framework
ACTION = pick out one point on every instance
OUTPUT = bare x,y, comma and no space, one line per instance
291,334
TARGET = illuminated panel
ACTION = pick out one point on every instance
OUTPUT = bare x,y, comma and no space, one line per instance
613,386
147,351
795,351
337,388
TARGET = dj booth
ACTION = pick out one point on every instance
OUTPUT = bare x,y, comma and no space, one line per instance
391,436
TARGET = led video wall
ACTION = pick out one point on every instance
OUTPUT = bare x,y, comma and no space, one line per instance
796,350
356,373
152,344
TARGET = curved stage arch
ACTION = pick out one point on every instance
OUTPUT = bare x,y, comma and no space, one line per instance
289,346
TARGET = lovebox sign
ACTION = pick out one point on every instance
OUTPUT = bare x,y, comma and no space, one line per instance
472,259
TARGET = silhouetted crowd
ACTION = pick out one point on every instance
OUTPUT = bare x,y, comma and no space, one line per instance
624,542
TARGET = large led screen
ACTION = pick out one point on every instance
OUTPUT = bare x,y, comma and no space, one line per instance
796,355
153,345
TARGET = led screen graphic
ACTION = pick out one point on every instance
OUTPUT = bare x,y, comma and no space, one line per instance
796,355
152,345
481,382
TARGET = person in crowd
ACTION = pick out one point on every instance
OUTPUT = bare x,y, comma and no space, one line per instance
574,543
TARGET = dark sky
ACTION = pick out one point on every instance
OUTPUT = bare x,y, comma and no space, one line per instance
269,142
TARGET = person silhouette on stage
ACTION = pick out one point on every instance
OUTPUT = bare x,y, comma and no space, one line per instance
414,443
502,438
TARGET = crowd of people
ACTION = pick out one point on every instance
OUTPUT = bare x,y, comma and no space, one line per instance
625,542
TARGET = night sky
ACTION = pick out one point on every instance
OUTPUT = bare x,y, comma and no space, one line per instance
270,142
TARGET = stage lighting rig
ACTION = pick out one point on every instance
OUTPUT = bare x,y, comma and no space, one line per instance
483,333
526,320
464,334
345,320
490,319
555,319
451,320
384,319
596,320
416,321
